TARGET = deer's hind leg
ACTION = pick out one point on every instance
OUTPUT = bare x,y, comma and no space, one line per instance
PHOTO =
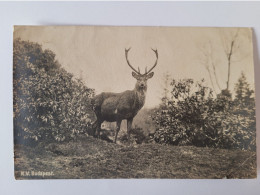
94,128
129,127
98,128
118,124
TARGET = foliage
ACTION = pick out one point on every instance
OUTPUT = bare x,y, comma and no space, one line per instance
192,116
49,103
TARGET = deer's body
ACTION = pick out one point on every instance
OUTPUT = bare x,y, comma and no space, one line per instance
112,107
115,107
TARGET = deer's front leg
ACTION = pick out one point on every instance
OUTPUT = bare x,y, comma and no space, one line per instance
129,127
118,124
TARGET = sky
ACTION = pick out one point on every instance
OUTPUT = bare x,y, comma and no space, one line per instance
97,54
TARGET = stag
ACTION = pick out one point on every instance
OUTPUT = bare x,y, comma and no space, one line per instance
115,107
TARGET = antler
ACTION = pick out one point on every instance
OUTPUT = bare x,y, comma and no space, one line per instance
156,53
138,72
126,56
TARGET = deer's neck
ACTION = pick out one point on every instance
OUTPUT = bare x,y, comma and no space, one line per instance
140,95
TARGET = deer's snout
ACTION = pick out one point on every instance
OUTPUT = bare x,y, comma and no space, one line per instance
142,85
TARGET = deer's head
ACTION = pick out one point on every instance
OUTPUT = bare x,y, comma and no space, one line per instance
141,83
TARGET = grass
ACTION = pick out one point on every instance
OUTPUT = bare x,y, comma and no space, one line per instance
88,157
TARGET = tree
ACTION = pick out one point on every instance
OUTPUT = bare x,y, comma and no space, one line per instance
244,109
244,95
230,42
230,46
209,62
166,91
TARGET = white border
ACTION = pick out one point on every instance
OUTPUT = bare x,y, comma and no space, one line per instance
226,14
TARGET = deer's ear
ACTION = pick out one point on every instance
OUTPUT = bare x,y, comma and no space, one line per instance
135,75
150,75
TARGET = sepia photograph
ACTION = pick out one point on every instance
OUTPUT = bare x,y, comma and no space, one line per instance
105,102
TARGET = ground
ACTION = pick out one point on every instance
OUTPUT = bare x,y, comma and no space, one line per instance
88,157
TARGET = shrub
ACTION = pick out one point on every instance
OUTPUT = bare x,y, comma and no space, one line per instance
192,116
49,103
137,136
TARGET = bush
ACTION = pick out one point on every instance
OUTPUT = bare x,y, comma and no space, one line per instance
137,136
49,103
192,116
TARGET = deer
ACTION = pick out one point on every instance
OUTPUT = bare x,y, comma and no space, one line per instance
115,107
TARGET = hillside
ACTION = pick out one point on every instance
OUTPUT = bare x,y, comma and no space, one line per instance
91,158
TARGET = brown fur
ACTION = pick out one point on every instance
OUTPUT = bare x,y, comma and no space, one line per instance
117,106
